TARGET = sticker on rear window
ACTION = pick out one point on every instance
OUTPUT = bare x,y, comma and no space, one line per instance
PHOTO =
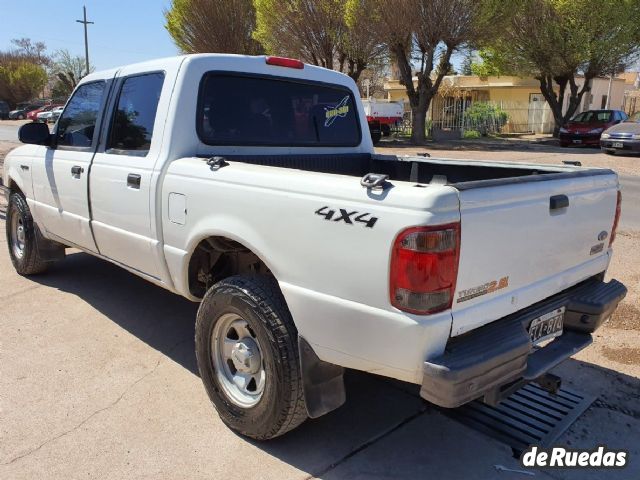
340,110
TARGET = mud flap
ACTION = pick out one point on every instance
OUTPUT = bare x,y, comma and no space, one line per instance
48,250
322,382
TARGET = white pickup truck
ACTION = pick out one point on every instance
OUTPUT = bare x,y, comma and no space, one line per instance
249,184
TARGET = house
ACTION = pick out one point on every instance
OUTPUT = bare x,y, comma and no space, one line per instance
526,107
631,102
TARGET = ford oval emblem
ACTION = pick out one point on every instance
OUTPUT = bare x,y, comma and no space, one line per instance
602,236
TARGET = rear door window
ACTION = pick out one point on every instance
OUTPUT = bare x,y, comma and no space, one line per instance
262,110
135,114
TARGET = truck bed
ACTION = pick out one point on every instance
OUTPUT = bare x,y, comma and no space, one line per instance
462,174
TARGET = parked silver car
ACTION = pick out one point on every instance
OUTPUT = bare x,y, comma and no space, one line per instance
623,137
55,114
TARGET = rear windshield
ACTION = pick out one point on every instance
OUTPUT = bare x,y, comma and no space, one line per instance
260,110
593,117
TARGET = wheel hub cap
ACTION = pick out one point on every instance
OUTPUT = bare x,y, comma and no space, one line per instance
17,235
237,360
20,234
245,355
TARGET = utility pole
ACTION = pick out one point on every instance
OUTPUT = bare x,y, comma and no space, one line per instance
86,40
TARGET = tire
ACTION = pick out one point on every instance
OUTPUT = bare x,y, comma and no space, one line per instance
21,237
564,145
272,400
385,129
609,152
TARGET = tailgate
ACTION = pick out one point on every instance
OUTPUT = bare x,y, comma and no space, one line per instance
520,245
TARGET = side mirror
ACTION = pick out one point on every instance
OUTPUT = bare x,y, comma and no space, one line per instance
36,133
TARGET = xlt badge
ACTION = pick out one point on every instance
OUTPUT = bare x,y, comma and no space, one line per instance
489,287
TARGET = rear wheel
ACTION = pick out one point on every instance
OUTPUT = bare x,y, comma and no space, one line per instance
564,144
21,237
609,152
247,351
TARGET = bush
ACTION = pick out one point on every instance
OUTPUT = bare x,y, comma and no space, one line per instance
471,134
485,118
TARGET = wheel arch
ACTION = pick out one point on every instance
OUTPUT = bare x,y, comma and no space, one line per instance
214,255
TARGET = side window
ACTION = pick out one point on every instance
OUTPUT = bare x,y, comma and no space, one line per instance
77,124
135,114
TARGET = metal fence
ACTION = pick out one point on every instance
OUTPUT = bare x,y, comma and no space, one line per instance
449,114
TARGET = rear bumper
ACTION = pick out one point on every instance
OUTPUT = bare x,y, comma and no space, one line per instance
491,358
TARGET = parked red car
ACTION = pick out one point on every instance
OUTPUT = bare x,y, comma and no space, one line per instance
33,114
586,127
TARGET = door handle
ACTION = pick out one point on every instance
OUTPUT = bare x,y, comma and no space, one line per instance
133,180
77,170
558,201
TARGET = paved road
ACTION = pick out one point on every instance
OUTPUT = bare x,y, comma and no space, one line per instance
8,132
630,217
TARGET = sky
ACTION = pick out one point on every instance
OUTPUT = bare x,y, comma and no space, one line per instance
125,31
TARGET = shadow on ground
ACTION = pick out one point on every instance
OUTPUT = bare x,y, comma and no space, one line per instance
399,435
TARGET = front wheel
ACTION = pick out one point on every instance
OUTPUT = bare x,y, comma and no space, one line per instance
247,352
21,237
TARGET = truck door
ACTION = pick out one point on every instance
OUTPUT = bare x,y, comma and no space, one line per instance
122,171
60,179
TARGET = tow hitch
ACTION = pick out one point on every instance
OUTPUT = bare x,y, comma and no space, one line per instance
549,382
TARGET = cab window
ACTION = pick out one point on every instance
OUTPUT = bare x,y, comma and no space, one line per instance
76,126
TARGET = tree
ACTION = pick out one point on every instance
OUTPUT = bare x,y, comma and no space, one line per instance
335,34
467,62
427,32
67,70
22,71
223,26
21,80
557,40
28,50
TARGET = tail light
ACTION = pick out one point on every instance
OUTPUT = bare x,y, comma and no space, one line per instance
424,268
285,62
616,219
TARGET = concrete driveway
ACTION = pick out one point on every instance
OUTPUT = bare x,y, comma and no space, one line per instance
98,380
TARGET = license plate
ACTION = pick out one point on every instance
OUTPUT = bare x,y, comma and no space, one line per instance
618,145
547,326
577,141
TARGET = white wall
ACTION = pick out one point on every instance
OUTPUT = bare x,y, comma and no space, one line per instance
599,87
